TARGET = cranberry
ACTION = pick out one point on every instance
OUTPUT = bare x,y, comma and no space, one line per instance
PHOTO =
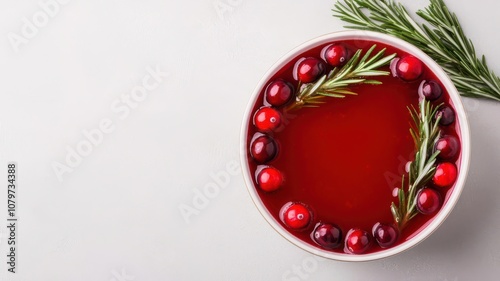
296,215
428,201
409,68
357,241
270,179
446,174
278,92
263,149
309,69
385,235
447,115
430,90
327,235
448,147
267,119
336,55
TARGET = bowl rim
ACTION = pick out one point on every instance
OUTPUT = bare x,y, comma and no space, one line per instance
461,119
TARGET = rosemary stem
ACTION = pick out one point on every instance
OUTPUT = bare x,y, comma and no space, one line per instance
442,38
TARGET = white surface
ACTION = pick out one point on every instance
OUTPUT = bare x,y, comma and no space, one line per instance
116,215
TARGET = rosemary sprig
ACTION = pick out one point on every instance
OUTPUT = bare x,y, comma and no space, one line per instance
335,84
421,169
444,41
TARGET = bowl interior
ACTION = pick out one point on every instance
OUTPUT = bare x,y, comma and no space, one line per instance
460,116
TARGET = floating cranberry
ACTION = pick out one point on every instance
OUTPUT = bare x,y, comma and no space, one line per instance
409,68
357,241
447,115
327,236
267,119
445,175
310,69
430,90
385,235
270,179
449,146
296,215
278,92
336,55
428,201
263,149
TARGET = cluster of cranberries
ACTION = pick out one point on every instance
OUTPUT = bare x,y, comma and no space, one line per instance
429,200
268,118
298,216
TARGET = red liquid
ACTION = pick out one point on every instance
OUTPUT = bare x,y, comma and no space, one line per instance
344,158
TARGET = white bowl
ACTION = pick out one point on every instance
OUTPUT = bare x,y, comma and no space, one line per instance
460,117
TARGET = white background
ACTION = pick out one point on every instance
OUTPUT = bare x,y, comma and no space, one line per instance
116,215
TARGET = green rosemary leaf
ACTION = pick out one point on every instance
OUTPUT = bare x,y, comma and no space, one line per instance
401,193
373,73
395,213
331,95
340,91
372,82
